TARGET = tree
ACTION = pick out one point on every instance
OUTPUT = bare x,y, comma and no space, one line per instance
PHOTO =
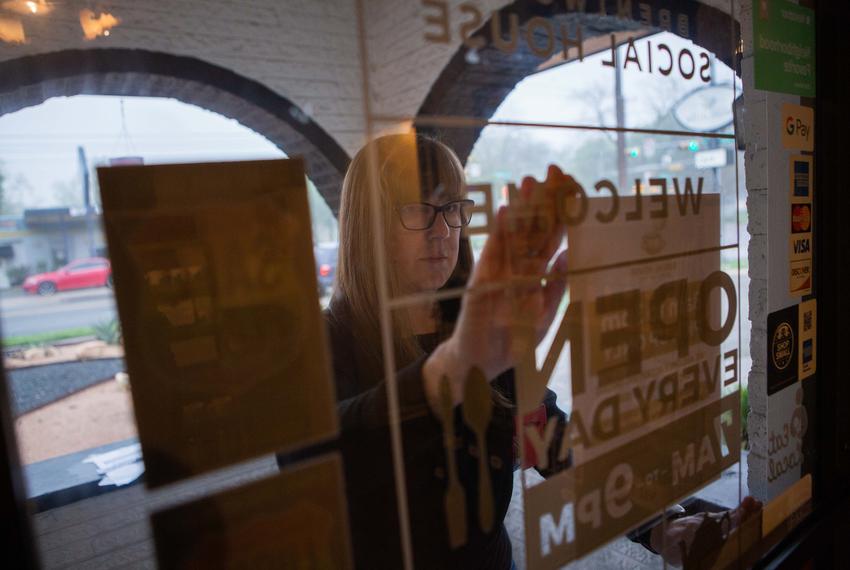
322,219
2,192
68,194
8,191
505,154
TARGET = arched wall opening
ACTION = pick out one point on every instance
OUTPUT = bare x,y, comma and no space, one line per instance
31,80
482,72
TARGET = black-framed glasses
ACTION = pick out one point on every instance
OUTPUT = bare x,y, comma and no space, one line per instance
421,215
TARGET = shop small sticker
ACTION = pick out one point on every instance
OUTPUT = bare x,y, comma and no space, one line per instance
783,349
782,346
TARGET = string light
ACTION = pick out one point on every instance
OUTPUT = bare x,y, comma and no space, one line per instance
27,7
97,25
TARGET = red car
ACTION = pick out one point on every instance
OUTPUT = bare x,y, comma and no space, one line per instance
89,272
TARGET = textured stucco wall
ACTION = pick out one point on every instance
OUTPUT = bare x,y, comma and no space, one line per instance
304,50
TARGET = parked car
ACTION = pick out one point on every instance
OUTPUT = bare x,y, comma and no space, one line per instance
325,255
88,272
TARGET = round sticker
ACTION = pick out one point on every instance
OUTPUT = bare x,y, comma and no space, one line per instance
782,347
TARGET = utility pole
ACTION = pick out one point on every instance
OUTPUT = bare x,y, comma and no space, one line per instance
87,202
715,143
621,122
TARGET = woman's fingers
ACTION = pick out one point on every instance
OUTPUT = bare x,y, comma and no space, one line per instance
553,242
494,255
527,188
551,196
555,286
527,233
667,537
535,233
749,506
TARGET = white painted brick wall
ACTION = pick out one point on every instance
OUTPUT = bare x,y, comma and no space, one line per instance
403,65
307,51
756,196
767,208
754,135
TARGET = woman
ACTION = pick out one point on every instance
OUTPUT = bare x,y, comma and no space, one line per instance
456,502
422,212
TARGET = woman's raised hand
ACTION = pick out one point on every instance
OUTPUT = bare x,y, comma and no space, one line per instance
515,288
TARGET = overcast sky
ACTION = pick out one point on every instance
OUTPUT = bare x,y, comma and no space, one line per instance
583,93
40,143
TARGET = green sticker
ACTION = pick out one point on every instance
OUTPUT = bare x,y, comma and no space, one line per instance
784,47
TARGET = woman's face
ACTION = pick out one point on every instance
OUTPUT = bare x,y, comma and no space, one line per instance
424,259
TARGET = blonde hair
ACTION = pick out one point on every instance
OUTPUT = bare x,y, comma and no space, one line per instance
409,168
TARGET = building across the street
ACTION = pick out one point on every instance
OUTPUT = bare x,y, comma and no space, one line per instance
42,239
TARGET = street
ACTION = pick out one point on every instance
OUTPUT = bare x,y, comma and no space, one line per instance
22,314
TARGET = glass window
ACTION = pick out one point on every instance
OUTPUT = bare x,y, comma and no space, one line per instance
231,341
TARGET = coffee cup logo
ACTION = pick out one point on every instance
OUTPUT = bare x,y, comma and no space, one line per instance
799,420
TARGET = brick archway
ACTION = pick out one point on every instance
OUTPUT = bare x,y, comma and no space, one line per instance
31,80
474,85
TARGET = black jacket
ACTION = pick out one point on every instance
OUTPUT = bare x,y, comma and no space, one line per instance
370,484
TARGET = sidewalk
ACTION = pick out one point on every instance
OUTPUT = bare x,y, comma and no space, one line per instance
12,293
96,416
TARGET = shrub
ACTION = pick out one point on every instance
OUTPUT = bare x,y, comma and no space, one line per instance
745,412
17,274
108,331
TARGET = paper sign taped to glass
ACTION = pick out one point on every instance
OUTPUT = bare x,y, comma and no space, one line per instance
216,290
294,519
654,403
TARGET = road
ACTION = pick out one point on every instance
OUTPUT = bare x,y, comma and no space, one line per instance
22,314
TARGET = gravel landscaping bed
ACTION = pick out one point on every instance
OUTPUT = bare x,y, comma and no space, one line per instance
37,386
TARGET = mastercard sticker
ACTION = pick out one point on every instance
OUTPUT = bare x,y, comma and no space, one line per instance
801,218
